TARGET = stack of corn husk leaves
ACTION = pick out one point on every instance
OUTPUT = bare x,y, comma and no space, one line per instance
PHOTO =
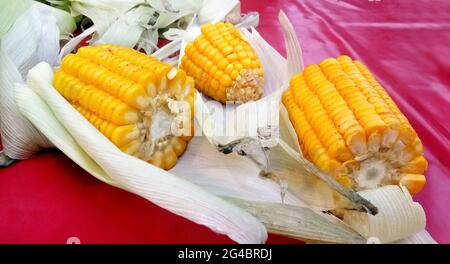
230,197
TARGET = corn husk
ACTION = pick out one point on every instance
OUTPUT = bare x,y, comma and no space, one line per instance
66,23
142,20
422,237
103,13
133,22
10,12
34,37
309,225
399,215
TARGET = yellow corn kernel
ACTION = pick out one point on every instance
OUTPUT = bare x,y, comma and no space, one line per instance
414,182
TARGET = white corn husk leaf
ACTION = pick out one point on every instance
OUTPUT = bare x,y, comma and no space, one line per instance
19,138
422,237
300,222
74,42
34,37
174,6
214,11
231,175
148,41
398,215
36,110
248,20
294,52
66,23
161,187
103,13
234,176
127,29
10,11
171,11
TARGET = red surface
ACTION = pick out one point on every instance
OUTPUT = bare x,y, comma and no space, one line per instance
48,199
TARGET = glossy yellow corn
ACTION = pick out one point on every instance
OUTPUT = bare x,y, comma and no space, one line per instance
349,126
225,67
133,99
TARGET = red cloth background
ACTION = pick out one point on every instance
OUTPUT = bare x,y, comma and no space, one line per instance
48,198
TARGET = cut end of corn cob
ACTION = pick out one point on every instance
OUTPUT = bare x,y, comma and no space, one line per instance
225,67
349,126
145,107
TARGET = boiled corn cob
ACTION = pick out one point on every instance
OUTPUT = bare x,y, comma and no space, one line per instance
144,106
224,66
349,126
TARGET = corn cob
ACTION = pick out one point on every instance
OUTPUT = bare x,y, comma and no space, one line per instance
349,126
144,106
224,66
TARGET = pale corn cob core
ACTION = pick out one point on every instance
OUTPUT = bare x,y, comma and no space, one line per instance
224,66
349,126
145,107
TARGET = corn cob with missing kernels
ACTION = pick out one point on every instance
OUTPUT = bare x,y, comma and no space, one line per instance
224,66
349,127
144,106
